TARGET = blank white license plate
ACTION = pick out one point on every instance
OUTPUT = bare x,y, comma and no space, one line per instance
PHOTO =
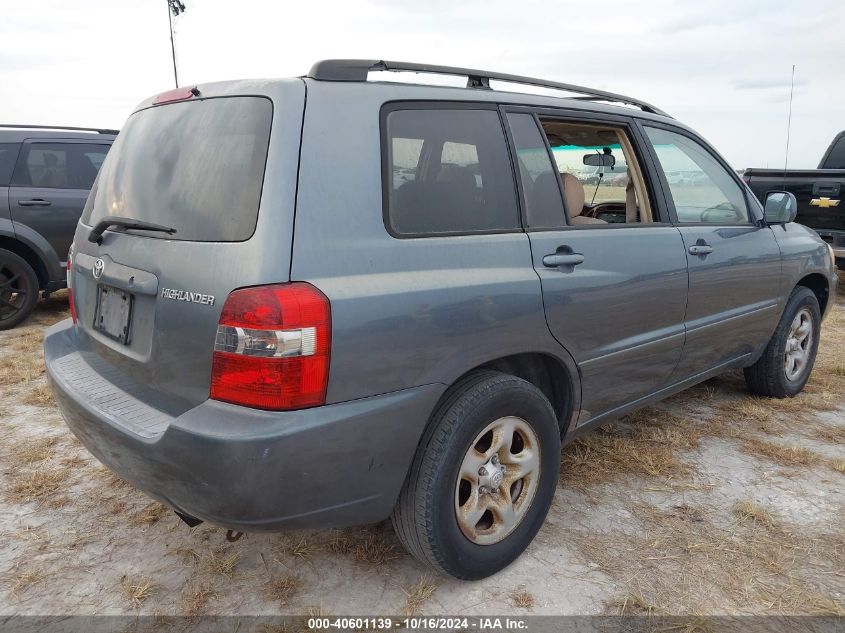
113,316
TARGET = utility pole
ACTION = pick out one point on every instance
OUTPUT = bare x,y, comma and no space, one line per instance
174,9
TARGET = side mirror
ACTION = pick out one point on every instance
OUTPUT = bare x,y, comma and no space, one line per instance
780,208
599,160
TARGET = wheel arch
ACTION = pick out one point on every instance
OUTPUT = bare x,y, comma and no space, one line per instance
556,377
819,285
29,254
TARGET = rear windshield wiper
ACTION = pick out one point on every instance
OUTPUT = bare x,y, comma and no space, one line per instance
96,234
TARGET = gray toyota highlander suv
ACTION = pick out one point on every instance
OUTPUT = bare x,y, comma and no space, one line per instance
330,300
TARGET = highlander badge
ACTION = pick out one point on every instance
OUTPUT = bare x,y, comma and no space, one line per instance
190,297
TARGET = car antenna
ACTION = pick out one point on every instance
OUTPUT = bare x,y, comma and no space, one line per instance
788,126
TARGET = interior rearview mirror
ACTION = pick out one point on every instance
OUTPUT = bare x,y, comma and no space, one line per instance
780,208
599,160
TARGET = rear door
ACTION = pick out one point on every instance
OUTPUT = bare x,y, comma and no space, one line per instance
50,185
734,260
148,302
614,289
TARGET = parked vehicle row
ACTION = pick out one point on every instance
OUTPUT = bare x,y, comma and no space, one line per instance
45,176
264,341
819,193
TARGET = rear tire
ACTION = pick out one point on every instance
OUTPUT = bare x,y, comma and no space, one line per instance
509,427
786,364
18,289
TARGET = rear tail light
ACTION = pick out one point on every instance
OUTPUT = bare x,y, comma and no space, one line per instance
272,348
69,279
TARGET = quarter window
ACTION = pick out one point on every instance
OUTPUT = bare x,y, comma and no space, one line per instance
448,171
543,202
702,189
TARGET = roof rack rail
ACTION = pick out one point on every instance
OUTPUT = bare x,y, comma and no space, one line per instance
59,127
358,69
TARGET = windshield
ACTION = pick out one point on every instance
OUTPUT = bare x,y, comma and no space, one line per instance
196,166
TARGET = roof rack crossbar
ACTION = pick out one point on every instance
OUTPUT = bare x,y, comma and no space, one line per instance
358,70
59,127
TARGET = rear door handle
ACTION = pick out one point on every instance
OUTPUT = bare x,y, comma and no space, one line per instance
556,260
700,249
35,202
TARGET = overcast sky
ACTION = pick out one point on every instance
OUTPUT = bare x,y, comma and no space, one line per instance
721,66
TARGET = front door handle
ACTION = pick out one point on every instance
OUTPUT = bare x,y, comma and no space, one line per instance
556,260
35,202
700,249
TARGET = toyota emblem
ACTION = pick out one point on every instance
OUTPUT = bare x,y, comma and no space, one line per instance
99,267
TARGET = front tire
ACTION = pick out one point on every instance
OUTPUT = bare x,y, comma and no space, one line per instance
483,478
786,364
18,289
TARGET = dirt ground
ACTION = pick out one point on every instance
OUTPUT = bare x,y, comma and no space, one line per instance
712,502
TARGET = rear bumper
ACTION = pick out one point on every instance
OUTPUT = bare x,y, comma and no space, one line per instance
242,468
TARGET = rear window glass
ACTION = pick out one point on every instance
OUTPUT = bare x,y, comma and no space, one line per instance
836,158
196,166
448,171
8,155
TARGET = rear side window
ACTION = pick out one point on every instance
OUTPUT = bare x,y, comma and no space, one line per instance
448,171
195,166
59,165
8,155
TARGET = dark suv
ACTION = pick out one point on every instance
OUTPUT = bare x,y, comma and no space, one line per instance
45,175
398,300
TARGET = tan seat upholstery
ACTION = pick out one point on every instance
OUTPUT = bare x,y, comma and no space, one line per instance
573,192
631,210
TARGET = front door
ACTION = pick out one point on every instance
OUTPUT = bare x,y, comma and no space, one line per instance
734,260
614,275
50,186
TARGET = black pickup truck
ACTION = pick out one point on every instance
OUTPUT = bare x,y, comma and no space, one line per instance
819,193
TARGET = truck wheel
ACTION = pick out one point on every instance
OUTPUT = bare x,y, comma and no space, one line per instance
483,478
783,369
18,289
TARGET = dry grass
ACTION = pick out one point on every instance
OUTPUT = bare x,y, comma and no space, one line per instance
35,486
136,590
418,594
17,369
283,588
222,563
32,450
630,448
339,545
111,480
297,547
826,433
150,515
40,396
194,600
683,560
838,465
375,550
750,511
24,580
784,455
522,599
